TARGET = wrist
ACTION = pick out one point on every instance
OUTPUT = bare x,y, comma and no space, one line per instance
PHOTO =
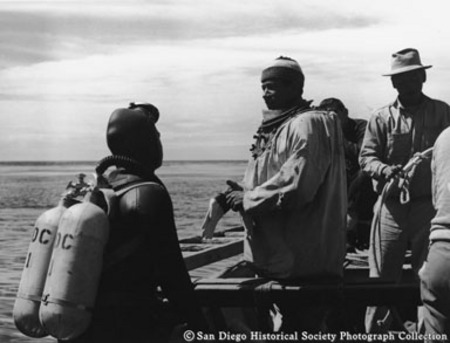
384,171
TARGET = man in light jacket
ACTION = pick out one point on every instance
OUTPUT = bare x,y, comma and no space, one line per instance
293,197
396,132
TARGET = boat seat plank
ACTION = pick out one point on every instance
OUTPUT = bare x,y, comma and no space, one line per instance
212,254
241,292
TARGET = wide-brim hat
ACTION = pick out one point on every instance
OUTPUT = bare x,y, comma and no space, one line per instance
404,61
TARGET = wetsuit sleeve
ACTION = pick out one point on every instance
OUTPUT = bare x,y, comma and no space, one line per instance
309,157
156,213
373,148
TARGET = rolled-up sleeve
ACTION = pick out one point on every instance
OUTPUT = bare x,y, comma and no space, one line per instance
373,147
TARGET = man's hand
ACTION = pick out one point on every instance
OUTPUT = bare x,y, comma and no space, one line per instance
235,196
391,171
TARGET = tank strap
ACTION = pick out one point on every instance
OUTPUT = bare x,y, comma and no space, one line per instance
111,196
128,248
122,191
46,299
31,297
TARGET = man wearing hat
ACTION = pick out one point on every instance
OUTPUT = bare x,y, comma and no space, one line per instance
293,195
395,133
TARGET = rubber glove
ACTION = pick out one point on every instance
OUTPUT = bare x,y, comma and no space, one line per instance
235,197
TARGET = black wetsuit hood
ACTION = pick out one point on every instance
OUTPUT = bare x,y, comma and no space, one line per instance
132,133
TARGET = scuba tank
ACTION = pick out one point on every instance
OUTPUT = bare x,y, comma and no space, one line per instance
78,257
26,306
76,263
75,269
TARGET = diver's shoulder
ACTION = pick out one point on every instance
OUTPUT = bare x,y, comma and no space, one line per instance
146,193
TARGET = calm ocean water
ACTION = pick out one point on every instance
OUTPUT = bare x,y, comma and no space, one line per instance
28,189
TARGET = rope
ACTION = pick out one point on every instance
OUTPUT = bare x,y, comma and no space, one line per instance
403,182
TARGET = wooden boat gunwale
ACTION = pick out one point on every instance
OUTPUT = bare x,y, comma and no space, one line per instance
356,289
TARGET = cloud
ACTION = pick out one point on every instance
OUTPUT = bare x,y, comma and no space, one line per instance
67,64
53,30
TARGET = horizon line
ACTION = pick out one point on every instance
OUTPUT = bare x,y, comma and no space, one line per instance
96,161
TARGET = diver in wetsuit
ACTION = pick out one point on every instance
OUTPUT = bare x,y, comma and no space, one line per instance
142,252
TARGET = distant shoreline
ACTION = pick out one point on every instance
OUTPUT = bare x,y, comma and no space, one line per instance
69,162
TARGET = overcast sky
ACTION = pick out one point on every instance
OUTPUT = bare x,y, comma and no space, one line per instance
66,65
